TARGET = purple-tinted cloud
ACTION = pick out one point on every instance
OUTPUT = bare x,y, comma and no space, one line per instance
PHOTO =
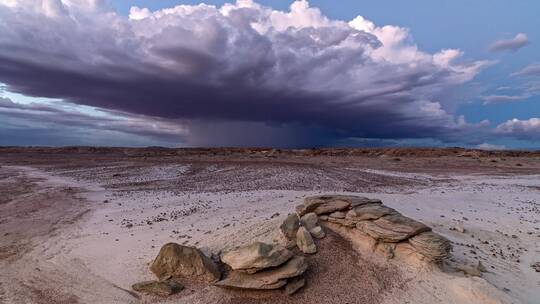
530,70
512,45
42,119
234,71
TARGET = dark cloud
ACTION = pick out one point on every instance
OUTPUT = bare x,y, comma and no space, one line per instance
241,74
39,124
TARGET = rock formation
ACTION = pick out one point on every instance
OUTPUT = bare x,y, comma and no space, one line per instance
264,266
382,229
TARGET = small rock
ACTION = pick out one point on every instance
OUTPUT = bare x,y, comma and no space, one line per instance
290,226
294,284
160,288
536,266
459,228
305,242
317,232
481,267
309,220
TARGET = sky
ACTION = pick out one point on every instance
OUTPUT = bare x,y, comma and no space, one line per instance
270,73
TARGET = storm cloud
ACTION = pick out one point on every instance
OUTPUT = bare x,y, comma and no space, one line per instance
241,74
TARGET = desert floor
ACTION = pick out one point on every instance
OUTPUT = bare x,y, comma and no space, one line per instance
81,226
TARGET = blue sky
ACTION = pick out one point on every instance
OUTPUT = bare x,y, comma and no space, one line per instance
473,27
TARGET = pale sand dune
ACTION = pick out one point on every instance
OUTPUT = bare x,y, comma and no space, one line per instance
73,236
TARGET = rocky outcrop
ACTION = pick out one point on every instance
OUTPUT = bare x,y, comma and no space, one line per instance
262,266
175,260
305,242
272,278
381,229
159,288
256,256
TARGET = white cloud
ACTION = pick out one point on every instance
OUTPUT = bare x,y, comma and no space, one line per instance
491,147
514,44
524,129
492,99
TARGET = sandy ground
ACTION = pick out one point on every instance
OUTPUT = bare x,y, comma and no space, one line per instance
80,229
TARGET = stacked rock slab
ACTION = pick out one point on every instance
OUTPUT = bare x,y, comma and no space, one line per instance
387,227
272,278
262,266
255,257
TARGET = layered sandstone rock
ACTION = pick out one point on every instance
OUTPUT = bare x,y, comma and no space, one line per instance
272,278
378,228
256,256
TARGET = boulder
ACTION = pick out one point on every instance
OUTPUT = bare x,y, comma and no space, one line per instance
305,242
317,232
290,226
294,284
268,279
255,257
392,228
175,260
309,220
159,288
369,212
431,245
